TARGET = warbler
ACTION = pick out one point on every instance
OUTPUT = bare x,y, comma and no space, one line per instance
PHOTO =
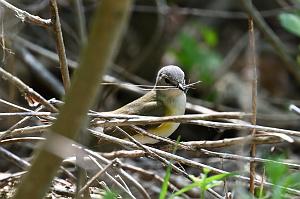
167,98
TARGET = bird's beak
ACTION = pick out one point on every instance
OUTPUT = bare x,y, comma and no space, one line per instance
181,87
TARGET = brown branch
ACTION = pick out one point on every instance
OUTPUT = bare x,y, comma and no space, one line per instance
291,65
106,30
60,47
25,16
227,142
154,120
89,183
185,161
21,139
252,65
26,90
249,159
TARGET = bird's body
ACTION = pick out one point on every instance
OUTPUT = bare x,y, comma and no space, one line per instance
157,102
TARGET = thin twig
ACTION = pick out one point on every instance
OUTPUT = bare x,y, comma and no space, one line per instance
60,45
185,161
33,113
25,16
88,184
152,176
291,65
178,118
151,153
118,170
252,65
20,139
26,90
294,108
211,13
22,164
25,130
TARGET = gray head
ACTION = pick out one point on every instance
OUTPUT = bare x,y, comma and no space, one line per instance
171,76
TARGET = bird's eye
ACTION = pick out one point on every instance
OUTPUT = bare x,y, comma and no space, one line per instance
167,81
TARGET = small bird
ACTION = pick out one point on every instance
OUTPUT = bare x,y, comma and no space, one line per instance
167,98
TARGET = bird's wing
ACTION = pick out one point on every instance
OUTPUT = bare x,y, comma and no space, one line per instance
147,105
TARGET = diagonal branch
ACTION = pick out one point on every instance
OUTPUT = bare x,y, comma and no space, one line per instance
25,16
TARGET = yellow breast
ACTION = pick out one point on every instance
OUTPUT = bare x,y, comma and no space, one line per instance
174,107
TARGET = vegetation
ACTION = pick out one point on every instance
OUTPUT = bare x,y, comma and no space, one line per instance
66,64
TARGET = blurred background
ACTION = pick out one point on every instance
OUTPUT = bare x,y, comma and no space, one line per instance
207,39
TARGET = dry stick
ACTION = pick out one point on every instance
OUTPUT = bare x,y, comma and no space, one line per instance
175,119
117,183
291,65
262,139
212,13
8,131
88,184
21,139
182,160
106,29
294,108
26,90
60,47
23,164
25,16
223,125
152,175
141,153
81,21
27,114
142,120
102,159
151,153
163,160
14,105
258,139
138,186
250,159
27,130
197,121
252,64
16,125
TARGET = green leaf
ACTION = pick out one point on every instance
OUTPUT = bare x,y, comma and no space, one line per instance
218,177
164,189
109,195
185,189
165,184
276,172
291,22
210,36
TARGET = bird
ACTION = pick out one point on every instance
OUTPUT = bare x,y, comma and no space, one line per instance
167,98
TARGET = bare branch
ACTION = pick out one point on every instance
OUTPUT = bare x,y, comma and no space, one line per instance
26,90
25,16
60,45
